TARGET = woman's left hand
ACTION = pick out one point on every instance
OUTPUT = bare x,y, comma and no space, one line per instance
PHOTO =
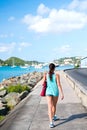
62,97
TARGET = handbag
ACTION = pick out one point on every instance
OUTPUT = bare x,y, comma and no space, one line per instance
44,86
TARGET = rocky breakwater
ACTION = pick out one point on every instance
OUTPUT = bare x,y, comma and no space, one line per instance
14,89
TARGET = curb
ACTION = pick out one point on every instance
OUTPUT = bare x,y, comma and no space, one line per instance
79,89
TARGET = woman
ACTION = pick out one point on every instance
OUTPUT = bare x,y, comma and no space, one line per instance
52,92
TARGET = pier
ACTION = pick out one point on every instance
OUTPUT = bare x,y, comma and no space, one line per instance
32,114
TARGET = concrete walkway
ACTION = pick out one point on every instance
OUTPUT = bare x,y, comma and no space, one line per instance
33,115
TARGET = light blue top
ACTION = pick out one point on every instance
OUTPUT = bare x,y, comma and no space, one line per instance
52,88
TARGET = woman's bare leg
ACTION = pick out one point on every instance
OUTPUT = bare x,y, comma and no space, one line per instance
50,106
55,99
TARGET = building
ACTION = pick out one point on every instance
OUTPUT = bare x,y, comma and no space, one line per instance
67,61
83,62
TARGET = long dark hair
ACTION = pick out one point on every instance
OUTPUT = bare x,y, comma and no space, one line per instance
51,70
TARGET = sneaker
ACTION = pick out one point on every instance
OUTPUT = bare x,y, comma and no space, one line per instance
51,125
55,118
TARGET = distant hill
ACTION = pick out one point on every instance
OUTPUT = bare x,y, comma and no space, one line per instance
68,60
1,62
17,62
20,62
14,61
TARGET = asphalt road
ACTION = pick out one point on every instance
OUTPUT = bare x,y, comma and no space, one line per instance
79,75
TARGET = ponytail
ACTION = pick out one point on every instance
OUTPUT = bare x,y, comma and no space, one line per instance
51,70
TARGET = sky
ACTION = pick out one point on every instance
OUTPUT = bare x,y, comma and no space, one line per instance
43,30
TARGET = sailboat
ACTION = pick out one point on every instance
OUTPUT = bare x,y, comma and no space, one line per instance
25,66
13,65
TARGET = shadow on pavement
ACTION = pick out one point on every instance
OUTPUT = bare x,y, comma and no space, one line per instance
73,117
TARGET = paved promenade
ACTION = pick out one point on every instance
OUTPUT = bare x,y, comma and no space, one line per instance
33,115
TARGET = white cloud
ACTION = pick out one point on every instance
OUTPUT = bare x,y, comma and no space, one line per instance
42,9
62,20
11,18
6,35
73,4
78,5
3,49
30,19
63,49
7,48
25,44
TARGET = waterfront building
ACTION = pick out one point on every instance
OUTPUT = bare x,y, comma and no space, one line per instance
83,62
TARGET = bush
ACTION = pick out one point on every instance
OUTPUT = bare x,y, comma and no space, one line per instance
2,118
17,88
77,66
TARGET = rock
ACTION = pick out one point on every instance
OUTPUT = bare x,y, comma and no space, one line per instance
3,111
1,105
12,99
3,93
1,86
31,83
3,100
6,82
23,95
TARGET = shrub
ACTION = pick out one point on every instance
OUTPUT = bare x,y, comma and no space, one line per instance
2,118
77,66
17,88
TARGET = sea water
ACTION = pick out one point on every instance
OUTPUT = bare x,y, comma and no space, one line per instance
9,71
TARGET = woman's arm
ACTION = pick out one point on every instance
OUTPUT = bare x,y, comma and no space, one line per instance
44,76
59,85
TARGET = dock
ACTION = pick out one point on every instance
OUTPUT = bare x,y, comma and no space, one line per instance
32,114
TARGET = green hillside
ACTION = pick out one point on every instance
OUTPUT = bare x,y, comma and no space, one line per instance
1,62
14,61
17,62
20,62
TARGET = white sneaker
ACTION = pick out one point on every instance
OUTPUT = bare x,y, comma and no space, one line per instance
55,118
51,125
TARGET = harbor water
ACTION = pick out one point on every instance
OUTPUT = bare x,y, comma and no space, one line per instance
9,71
